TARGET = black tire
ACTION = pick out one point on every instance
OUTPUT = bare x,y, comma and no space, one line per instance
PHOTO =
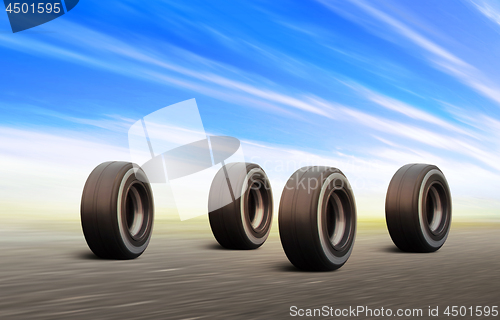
117,211
317,219
418,208
245,222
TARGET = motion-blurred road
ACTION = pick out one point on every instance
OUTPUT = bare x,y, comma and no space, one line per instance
184,274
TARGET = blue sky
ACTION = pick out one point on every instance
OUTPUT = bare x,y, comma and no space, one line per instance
366,86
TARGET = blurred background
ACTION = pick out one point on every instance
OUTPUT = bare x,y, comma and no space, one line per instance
365,86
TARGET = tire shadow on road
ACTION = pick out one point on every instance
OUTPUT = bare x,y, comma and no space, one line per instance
87,255
393,249
288,267
215,246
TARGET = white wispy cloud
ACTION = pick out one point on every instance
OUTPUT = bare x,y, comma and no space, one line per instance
486,127
491,9
111,122
217,85
412,35
439,56
406,109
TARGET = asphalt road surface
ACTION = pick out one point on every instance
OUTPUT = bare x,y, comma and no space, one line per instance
184,274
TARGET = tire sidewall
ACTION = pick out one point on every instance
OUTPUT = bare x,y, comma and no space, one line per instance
130,175
255,174
335,182
432,175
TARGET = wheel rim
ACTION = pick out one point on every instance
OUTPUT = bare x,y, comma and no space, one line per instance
436,208
256,206
335,219
136,211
